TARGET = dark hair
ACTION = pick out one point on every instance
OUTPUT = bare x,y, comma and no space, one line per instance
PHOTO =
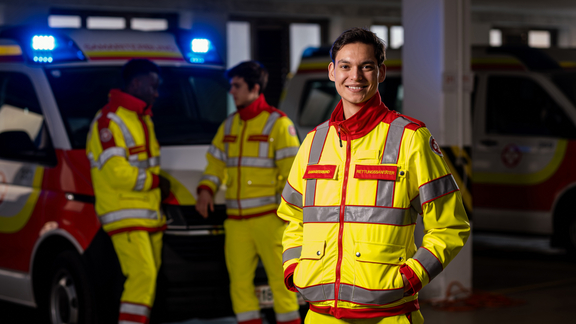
253,73
359,35
137,67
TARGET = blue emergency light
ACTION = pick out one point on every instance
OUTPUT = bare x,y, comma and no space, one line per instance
200,45
197,48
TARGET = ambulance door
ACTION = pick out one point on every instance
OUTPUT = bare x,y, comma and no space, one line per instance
520,141
24,151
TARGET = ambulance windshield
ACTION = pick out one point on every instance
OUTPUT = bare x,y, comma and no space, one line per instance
566,81
191,104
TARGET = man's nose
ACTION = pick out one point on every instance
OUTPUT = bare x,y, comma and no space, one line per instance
356,73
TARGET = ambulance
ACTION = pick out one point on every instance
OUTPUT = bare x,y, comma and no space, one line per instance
518,174
53,253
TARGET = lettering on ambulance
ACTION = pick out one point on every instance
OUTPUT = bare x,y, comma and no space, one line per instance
20,192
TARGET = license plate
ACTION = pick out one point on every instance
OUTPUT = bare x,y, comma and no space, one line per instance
264,294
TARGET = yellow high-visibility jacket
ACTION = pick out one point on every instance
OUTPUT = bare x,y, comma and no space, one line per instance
251,153
351,200
125,162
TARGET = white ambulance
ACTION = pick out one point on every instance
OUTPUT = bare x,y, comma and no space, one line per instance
53,253
518,174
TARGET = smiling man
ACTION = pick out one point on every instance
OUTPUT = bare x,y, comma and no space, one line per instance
354,192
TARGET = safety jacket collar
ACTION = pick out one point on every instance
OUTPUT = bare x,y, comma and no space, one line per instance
119,98
363,122
255,108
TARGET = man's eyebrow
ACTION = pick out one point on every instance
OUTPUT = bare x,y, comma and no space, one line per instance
365,62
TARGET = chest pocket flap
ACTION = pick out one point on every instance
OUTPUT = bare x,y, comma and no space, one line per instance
313,250
380,253
321,171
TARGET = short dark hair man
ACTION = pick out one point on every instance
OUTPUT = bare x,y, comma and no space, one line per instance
125,168
252,151
352,198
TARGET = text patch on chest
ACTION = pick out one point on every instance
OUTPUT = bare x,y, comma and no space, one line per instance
376,172
317,171
229,138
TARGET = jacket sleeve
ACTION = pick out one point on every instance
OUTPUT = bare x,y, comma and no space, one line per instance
291,210
215,172
286,144
446,226
108,152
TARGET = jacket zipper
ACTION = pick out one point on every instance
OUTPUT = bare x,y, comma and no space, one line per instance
239,168
342,212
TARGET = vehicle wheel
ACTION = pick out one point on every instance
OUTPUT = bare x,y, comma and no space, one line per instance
69,296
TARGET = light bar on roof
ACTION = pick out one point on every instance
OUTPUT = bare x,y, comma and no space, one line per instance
200,45
43,43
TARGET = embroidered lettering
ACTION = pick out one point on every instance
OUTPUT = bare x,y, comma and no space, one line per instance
317,171
376,172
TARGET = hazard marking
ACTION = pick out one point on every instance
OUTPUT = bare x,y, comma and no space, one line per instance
511,155
292,130
434,146
3,187
105,135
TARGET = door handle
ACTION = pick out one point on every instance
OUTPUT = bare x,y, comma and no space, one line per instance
489,142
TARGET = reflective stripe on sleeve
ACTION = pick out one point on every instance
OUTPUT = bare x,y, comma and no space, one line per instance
292,196
360,295
125,131
437,188
127,213
212,178
264,146
317,293
314,158
429,261
153,161
247,316
321,214
251,202
134,309
292,253
391,216
144,164
286,152
217,153
251,162
140,180
106,155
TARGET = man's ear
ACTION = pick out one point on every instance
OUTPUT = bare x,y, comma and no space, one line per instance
256,88
382,75
331,68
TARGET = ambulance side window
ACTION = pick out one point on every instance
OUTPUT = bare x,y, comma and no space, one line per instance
519,106
23,133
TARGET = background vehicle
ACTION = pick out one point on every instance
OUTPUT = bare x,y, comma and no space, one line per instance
516,177
53,254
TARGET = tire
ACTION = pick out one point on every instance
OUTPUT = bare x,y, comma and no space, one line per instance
69,299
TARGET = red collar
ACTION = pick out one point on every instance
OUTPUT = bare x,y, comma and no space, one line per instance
119,98
363,122
255,108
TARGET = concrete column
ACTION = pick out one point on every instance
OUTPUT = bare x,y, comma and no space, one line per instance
339,24
437,85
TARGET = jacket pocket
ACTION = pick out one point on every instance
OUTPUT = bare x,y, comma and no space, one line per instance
310,268
377,265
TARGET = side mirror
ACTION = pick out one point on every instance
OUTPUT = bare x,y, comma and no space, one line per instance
17,145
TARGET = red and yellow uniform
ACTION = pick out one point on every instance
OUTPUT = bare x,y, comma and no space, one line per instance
125,162
251,154
351,200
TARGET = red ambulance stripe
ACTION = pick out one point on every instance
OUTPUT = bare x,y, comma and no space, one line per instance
377,172
320,172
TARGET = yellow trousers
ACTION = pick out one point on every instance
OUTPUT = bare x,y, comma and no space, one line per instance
246,240
316,318
140,255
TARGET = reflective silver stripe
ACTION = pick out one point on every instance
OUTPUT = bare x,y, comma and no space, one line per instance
437,188
134,309
251,202
251,162
416,204
109,153
285,317
314,158
286,152
264,146
321,214
375,215
140,180
247,316
125,132
154,161
127,213
318,293
373,297
217,153
385,192
227,131
214,179
292,253
429,262
144,164
93,164
292,196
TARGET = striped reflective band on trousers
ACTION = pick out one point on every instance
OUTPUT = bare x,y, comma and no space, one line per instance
251,202
133,309
429,261
247,316
292,196
264,146
250,162
286,317
314,158
126,214
351,293
359,214
227,131
128,139
385,192
214,179
217,153
286,153
292,253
